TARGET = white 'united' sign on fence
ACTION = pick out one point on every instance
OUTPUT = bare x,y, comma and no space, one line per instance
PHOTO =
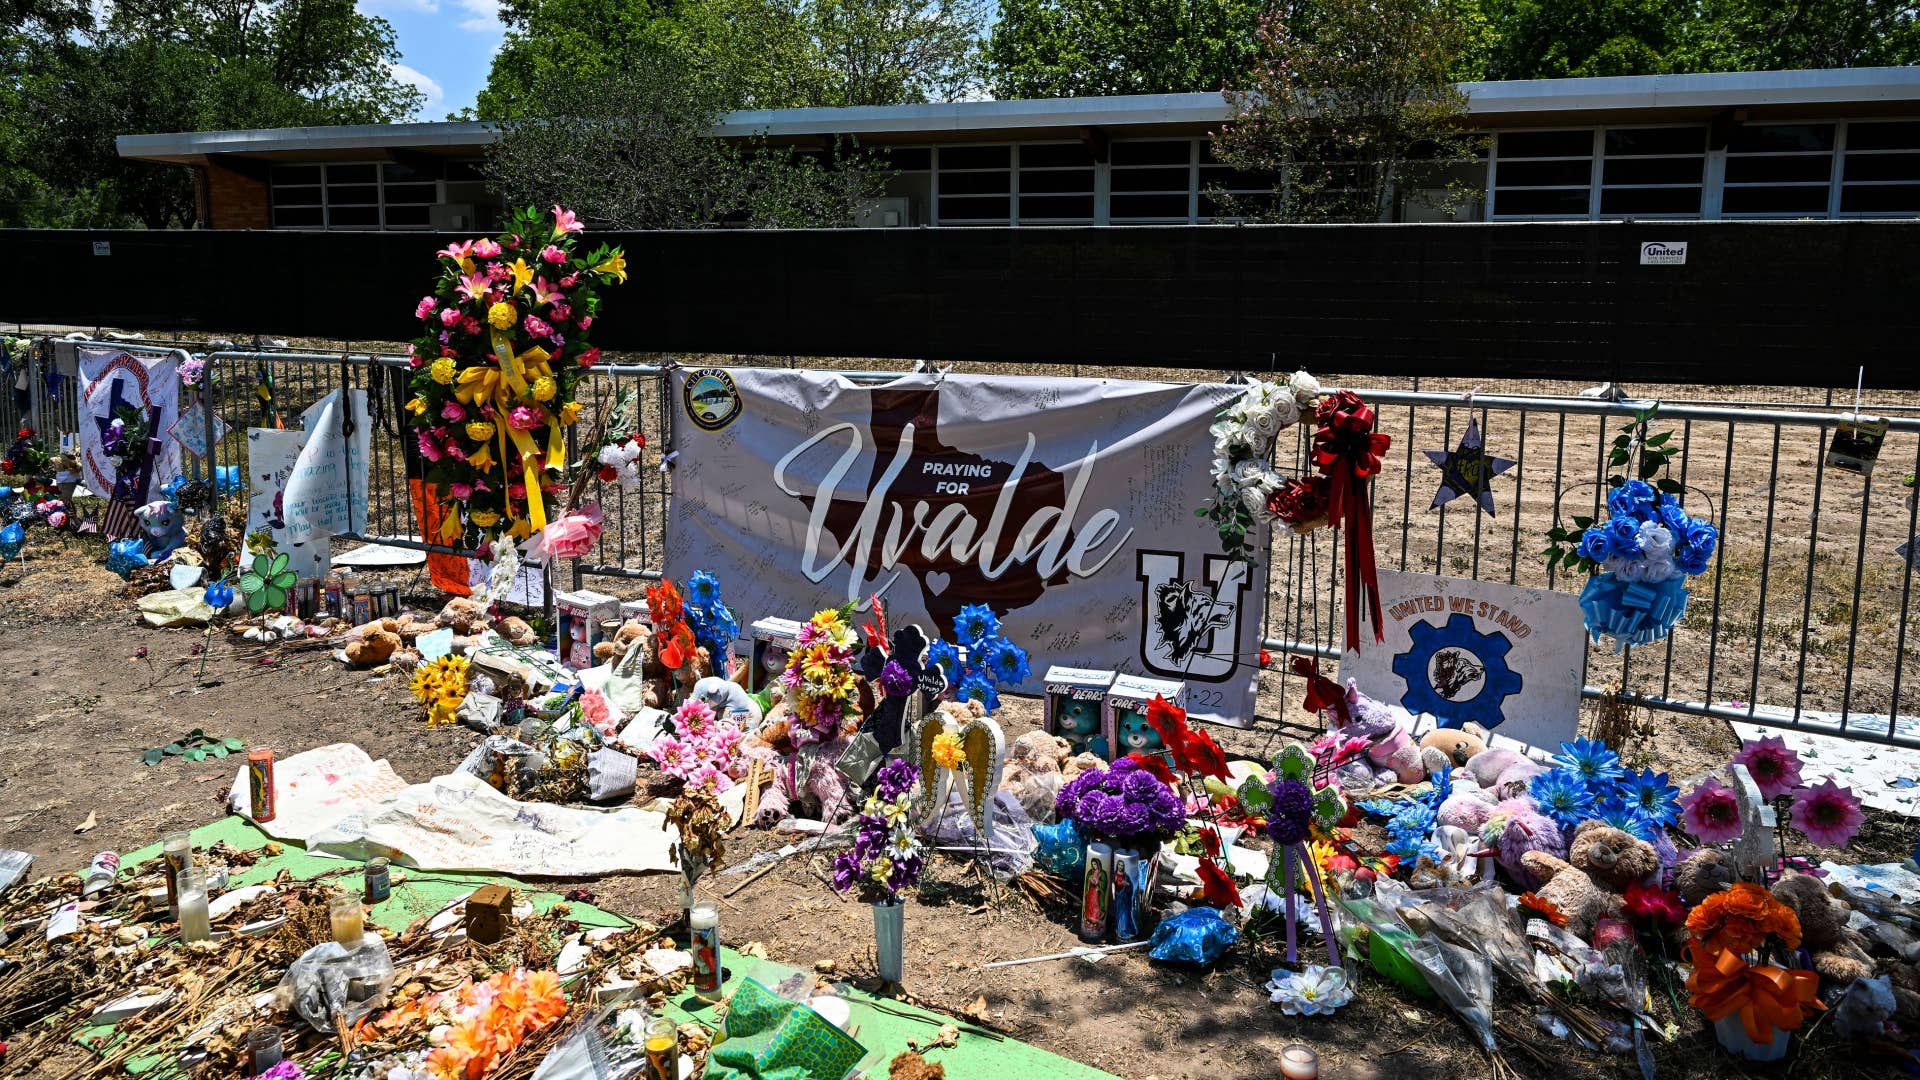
1065,505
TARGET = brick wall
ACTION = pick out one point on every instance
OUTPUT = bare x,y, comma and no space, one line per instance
235,199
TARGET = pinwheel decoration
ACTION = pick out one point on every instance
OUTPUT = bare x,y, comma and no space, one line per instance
269,583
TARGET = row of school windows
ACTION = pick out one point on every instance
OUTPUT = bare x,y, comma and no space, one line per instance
1825,169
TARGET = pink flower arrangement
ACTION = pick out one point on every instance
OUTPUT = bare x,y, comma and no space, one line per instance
595,709
1711,813
569,536
1774,767
1827,813
701,751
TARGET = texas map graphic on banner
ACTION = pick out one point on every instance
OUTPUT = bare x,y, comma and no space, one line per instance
1065,505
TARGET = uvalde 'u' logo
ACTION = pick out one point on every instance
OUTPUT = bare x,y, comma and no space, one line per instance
1191,627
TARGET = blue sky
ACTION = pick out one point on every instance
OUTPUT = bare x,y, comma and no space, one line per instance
446,47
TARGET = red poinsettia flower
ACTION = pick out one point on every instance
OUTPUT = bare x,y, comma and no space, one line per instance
1216,885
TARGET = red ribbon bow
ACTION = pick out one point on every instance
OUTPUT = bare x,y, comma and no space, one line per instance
1347,450
1322,693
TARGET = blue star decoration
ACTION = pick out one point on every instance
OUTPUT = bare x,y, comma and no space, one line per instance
1467,470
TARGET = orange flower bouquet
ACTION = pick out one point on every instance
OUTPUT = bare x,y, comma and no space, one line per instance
1754,1007
471,1028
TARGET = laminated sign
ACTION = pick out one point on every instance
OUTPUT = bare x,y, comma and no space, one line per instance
1065,505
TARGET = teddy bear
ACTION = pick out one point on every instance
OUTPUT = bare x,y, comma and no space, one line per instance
1467,806
1702,874
728,699
1514,828
1077,720
1032,772
607,651
372,644
516,631
1084,761
467,616
164,527
1459,747
1839,953
1586,886
806,780
1133,734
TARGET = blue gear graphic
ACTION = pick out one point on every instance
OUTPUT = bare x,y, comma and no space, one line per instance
1500,681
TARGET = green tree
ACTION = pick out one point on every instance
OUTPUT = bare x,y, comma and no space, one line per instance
156,65
1078,48
893,52
631,149
1766,35
1553,39
1353,110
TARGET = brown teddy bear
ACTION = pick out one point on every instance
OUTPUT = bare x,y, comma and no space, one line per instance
372,644
467,616
1032,772
1587,886
516,631
1839,954
1459,746
1702,874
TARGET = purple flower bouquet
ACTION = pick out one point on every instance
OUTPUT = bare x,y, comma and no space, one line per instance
886,858
1123,805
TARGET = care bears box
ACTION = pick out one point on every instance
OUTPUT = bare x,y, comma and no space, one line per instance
1125,715
1074,707
579,615
773,639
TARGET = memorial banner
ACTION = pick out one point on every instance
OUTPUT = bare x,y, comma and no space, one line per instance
1065,505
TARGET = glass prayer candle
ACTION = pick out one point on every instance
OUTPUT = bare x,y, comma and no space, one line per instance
663,1049
349,920
1299,1062
195,923
704,921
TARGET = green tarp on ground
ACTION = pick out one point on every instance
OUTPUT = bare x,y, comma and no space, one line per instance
422,893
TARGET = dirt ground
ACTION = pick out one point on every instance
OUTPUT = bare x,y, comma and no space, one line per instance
90,688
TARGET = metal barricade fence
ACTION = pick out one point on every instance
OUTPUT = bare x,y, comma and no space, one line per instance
1801,620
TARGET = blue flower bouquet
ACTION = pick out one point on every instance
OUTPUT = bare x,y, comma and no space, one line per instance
1646,550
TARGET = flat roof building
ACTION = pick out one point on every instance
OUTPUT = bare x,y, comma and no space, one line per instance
1767,144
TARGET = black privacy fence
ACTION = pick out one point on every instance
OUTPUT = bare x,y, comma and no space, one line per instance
1747,303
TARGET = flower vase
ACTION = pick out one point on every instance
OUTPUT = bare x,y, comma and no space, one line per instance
889,938
1732,1033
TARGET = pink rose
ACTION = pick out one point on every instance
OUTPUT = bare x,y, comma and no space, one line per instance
460,491
536,326
416,361
560,313
499,272
428,448
449,316
485,249
453,411
567,282
456,451
524,417
553,255
588,358
424,309
470,326
586,323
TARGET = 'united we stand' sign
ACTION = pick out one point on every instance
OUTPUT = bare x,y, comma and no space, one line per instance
1065,505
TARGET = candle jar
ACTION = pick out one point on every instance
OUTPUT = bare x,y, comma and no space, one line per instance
176,854
379,882
1299,1062
663,1049
264,1049
195,922
704,922
349,920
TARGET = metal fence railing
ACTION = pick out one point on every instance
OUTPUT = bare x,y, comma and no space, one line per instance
1802,621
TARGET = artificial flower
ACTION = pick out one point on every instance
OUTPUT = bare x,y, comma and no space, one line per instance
947,752
523,417
417,406
552,254
1591,761
502,316
1711,813
1217,887
1827,813
1775,768
1561,795
1739,918
544,388
568,536
486,519
1543,907
479,430
1654,905
442,370
1290,817
615,267
522,274
564,222
1316,991
1657,800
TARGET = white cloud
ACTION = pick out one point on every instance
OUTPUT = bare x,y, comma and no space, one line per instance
436,96
376,7
483,16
